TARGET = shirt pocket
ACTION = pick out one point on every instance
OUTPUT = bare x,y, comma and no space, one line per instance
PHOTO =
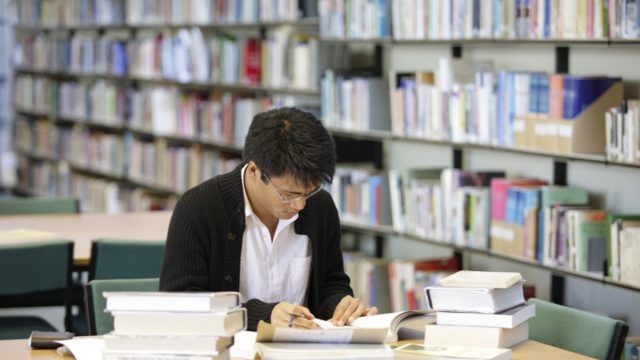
298,274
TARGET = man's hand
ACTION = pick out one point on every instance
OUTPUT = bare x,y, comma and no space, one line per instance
349,309
292,315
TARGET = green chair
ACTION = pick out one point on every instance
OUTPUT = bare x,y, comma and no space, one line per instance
39,205
577,330
101,322
34,274
125,259
120,259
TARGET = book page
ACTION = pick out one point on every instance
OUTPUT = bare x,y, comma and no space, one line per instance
376,321
244,345
332,334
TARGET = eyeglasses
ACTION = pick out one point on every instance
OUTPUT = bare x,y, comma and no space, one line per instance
291,198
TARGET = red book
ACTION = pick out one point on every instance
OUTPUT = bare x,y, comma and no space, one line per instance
252,61
444,264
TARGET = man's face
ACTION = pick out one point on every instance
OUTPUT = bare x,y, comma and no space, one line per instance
290,195
284,196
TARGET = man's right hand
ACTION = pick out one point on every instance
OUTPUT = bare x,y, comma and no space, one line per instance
292,315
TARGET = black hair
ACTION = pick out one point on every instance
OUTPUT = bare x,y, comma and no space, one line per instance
289,141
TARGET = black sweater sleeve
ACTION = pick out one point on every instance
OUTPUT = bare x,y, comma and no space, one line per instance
185,266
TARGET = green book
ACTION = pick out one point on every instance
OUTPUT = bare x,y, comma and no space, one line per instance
567,195
553,195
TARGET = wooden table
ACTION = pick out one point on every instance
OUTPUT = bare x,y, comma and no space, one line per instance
528,350
82,228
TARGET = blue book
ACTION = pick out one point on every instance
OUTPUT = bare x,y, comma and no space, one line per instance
383,10
580,92
547,19
408,86
529,199
502,82
533,93
477,6
375,184
511,206
511,108
543,93
497,4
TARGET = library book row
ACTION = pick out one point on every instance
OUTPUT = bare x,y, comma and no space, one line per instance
395,285
283,59
97,192
550,113
218,119
525,219
173,166
73,13
490,19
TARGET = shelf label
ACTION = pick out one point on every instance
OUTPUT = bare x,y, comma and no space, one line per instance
564,131
552,129
502,233
518,126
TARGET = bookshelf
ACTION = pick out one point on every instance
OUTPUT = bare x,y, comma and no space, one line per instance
7,179
181,79
609,182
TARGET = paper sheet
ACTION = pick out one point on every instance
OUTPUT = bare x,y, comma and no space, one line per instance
270,333
244,345
89,348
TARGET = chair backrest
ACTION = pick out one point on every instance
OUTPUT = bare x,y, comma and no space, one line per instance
100,322
125,259
577,330
39,205
37,274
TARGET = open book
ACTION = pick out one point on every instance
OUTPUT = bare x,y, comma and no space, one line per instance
375,329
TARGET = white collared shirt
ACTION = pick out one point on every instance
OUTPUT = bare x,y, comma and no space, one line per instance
273,271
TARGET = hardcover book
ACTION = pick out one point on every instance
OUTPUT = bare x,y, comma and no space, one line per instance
172,301
479,300
506,319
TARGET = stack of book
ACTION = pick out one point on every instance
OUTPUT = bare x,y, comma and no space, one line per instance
479,309
185,326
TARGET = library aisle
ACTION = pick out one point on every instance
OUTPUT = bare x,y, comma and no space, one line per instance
482,135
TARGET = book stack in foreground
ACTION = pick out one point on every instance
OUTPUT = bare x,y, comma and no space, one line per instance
172,326
479,309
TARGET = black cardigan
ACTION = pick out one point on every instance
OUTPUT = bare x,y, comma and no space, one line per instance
204,245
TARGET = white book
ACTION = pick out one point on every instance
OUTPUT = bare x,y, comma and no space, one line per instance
480,336
421,351
481,279
507,319
279,351
217,324
201,345
172,301
481,300
154,356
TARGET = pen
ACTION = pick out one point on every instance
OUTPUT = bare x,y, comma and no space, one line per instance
292,318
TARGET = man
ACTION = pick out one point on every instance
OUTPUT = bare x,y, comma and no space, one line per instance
267,229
